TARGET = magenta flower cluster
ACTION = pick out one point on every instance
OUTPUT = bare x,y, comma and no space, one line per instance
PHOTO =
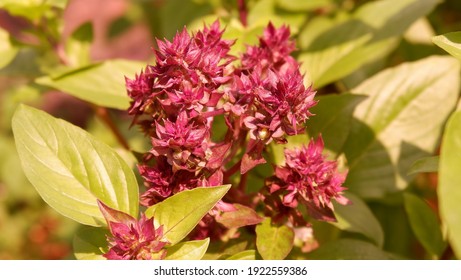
308,178
132,239
261,98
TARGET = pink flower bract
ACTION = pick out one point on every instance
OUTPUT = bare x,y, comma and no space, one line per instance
310,179
132,239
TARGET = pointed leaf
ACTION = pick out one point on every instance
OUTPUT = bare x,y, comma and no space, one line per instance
70,169
449,191
371,33
274,242
78,45
114,216
333,116
450,42
425,224
180,213
426,164
89,243
248,255
190,250
357,217
399,122
349,249
102,84
243,216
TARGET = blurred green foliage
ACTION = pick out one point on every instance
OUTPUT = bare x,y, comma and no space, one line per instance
56,62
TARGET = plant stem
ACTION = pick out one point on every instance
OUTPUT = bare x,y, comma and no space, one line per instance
243,12
243,182
228,173
104,115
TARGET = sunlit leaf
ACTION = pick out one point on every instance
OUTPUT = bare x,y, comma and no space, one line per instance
243,256
102,84
400,122
273,242
450,42
449,192
420,32
425,224
357,217
189,250
371,33
70,169
180,213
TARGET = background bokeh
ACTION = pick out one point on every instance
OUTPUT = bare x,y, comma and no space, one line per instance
29,229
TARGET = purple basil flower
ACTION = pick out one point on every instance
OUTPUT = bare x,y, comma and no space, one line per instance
184,143
273,51
161,182
188,74
132,239
310,179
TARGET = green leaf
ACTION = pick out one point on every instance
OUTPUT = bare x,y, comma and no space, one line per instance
426,164
89,243
348,249
450,42
400,122
265,11
449,192
78,45
357,217
246,35
371,33
248,255
273,242
70,169
102,84
175,14
333,117
323,60
31,9
277,150
302,5
7,51
190,250
242,216
180,213
425,224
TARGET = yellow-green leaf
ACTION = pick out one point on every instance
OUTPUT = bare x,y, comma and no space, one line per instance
70,169
179,214
102,84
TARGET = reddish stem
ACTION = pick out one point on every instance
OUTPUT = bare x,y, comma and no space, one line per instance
243,12
231,171
243,182
103,114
